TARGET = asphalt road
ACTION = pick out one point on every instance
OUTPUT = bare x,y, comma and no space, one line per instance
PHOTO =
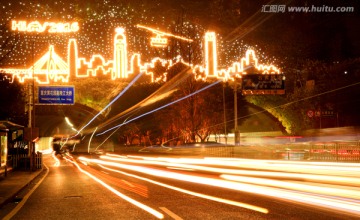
66,193
147,188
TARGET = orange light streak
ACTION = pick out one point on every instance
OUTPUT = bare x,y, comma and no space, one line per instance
216,199
57,161
319,189
132,201
350,206
351,179
185,163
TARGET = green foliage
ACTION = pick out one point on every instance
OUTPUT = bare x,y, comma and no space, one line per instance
289,115
318,86
96,92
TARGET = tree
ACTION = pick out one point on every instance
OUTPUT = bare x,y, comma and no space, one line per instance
195,117
12,100
97,92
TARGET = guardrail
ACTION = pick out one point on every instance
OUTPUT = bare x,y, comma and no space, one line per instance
335,151
38,160
22,161
331,151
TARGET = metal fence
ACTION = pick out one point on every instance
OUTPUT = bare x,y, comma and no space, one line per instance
331,151
335,151
22,161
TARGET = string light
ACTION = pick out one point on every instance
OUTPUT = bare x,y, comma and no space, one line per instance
52,67
96,52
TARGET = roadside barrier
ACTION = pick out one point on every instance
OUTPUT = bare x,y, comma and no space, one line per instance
22,161
330,151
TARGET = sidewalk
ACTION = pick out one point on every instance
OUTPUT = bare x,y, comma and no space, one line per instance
15,181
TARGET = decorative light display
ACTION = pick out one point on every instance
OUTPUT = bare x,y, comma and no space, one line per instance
120,54
51,68
159,40
97,21
210,54
51,27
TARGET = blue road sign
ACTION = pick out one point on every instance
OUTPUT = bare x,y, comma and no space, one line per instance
56,95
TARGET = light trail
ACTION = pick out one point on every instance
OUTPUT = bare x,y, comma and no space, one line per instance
110,103
168,88
353,193
164,106
334,197
130,200
184,163
226,201
57,161
91,139
233,161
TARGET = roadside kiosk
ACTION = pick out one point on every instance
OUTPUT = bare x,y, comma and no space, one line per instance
10,133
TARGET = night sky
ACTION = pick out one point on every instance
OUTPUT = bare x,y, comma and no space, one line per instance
239,24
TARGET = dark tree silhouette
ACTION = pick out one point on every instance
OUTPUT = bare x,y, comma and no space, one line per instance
12,100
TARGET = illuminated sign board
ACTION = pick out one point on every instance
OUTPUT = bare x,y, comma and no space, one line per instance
56,95
51,27
263,84
3,149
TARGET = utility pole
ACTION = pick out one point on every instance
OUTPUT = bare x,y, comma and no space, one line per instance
224,107
31,113
30,123
237,133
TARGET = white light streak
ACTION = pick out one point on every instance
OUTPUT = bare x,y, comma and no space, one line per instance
116,98
335,197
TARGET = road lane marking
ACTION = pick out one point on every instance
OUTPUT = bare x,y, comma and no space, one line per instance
26,197
171,214
128,183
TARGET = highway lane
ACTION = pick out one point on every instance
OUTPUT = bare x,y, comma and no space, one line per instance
309,192
126,187
66,193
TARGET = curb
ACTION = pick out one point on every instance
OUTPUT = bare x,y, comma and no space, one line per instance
11,197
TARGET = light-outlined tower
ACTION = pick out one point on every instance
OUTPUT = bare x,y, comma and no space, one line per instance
120,55
249,63
210,55
72,58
